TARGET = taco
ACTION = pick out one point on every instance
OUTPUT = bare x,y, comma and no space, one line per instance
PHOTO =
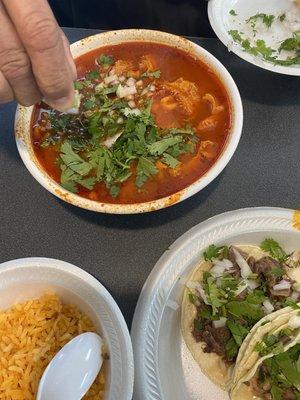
276,373
228,296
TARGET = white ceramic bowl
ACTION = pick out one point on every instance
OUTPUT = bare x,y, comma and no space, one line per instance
23,118
27,278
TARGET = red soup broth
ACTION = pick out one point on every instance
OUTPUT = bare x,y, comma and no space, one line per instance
212,127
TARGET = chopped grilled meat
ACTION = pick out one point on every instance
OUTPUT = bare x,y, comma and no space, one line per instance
215,339
280,293
263,267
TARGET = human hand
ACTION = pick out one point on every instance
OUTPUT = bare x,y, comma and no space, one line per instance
35,58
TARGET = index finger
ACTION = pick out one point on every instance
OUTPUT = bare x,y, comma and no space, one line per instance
40,34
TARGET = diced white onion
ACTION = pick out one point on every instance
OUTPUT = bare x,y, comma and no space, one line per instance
128,111
268,307
112,71
282,285
130,82
124,91
110,79
198,287
243,285
172,304
294,322
252,284
220,266
227,264
122,78
242,263
110,141
139,83
152,88
99,87
120,120
132,104
219,323
145,90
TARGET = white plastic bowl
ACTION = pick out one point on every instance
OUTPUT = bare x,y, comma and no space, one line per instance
27,278
23,119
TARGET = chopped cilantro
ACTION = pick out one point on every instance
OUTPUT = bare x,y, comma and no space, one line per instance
145,168
192,298
159,147
170,161
92,75
152,74
277,271
214,252
114,191
232,349
198,325
105,60
214,294
232,12
289,302
282,17
267,19
256,297
251,312
236,36
78,85
273,247
59,123
90,103
239,332
292,43
276,393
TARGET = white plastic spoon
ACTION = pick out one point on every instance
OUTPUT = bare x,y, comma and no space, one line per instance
73,370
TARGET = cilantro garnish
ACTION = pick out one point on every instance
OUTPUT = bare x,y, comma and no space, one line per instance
145,169
159,147
214,252
152,74
232,349
105,60
292,43
267,19
282,17
232,12
170,161
289,302
275,250
249,311
59,123
236,36
239,332
78,85
92,75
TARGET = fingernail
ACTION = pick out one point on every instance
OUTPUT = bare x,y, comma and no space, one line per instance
62,104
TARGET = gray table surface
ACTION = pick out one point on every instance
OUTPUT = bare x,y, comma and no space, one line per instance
120,251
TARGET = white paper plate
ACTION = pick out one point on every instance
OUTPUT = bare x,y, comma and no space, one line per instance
165,370
221,22
27,278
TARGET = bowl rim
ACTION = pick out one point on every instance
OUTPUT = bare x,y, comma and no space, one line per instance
24,114
71,269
